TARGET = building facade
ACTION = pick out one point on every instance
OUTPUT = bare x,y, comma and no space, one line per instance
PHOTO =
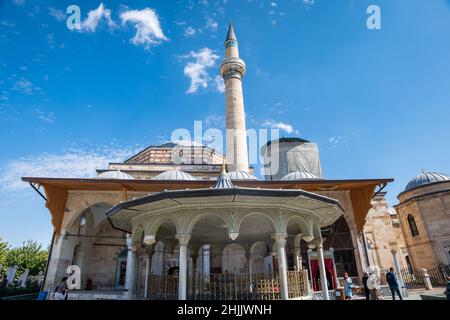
424,212
172,216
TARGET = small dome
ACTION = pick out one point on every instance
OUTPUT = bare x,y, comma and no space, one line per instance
174,175
223,181
426,178
299,175
241,175
181,143
117,174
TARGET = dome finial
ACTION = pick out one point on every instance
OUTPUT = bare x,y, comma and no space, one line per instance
230,34
224,166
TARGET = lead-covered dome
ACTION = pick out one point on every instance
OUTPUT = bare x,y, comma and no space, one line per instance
426,178
116,174
241,175
300,175
174,175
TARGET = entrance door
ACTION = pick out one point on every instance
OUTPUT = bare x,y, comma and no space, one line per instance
121,271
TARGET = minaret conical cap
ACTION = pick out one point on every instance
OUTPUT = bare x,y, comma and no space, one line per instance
231,35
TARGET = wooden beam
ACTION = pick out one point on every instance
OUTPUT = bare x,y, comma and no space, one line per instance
362,203
56,204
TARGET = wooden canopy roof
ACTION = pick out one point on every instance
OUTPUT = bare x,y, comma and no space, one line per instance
56,190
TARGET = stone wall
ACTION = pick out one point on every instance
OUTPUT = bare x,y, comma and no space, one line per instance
383,233
430,207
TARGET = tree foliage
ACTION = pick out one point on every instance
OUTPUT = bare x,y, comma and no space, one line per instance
29,256
4,247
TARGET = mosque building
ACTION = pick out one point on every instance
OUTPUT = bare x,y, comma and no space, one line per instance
204,227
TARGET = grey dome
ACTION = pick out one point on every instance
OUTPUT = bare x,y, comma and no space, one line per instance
117,174
223,181
174,175
241,175
426,178
300,175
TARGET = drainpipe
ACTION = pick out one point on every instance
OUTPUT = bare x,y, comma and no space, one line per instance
365,249
48,262
51,245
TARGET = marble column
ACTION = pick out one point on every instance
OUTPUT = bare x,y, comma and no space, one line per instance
206,260
131,272
183,240
194,258
323,275
148,261
248,256
280,240
127,274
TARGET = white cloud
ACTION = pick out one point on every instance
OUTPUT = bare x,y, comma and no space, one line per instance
94,18
219,84
281,126
19,2
148,28
335,140
211,24
189,32
58,14
197,70
73,163
7,24
23,86
308,3
46,117
214,120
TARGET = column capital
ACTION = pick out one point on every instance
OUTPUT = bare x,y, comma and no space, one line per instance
318,243
149,239
394,251
183,239
280,238
233,235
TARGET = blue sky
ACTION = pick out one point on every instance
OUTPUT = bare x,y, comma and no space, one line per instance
376,101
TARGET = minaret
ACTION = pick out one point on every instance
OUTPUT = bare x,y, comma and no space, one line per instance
232,70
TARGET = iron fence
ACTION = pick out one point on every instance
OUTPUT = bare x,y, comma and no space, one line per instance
227,286
415,278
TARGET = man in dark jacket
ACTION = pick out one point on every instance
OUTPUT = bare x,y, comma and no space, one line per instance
366,288
393,283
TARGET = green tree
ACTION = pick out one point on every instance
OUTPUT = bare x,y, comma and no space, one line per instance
29,256
4,248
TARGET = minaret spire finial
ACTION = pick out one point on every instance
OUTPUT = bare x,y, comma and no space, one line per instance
224,166
230,34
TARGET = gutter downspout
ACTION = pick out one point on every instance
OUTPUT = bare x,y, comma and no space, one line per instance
365,248
48,262
51,244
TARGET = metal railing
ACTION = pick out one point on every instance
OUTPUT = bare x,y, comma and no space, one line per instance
415,278
228,286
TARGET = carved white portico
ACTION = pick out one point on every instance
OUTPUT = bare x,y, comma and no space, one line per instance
225,215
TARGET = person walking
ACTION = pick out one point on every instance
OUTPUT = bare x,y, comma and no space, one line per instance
393,283
61,290
365,278
348,285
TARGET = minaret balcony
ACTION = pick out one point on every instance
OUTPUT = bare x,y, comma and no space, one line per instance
232,66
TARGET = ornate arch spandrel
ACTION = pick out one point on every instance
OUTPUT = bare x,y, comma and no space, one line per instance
275,221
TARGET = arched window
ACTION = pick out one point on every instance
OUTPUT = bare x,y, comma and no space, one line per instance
82,226
413,226
75,254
